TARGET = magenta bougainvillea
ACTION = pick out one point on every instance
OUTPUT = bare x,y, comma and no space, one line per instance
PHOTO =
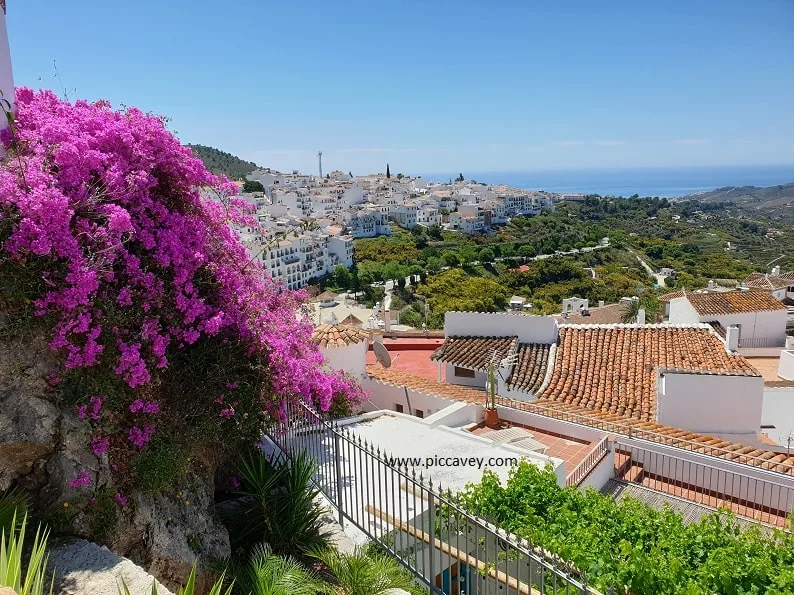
141,258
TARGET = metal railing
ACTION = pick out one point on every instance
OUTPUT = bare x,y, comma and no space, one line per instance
447,549
428,334
761,343
779,463
590,462
761,499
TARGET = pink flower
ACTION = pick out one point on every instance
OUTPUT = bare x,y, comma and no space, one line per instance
227,413
82,479
122,501
232,385
141,436
99,445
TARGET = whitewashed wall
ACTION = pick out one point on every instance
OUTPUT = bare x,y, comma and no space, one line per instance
351,359
682,312
710,403
778,411
785,367
529,329
386,396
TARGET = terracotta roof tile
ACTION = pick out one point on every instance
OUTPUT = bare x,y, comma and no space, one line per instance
529,372
613,369
732,302
327,335
671,296
442,389
769,282
670,435
604,420
474,352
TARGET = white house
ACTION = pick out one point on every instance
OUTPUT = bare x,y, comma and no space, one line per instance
780,285
760,318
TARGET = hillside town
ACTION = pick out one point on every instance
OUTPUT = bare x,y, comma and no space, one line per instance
308,223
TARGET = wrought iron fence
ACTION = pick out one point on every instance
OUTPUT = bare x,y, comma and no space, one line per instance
779,463
717,487
421,524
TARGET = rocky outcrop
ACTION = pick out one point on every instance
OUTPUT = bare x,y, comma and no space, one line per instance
83,568
44,445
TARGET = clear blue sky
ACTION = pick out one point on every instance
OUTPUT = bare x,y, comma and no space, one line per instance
434,85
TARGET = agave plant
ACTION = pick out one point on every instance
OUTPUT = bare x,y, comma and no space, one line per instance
29,581
366,572
279,506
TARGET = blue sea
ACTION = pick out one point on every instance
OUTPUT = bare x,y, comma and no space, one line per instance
661,182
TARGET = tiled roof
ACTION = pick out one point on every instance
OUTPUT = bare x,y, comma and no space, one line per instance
529,372
474,352
613,422
609,314
769,282
327,335
613,369
733,302
442,389
671,296
607,421
718,328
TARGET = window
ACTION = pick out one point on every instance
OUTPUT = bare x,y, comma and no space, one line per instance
420,413
463,372
398,408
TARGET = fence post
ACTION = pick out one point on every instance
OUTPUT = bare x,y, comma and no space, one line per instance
338,470
431,511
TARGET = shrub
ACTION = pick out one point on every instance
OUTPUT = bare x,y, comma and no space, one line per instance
121,244
630,546
278,506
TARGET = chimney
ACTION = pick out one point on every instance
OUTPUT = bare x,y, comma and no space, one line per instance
600,303
711,284
386,320
732,338
776,271
641,316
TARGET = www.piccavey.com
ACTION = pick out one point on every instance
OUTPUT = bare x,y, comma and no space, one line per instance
437,461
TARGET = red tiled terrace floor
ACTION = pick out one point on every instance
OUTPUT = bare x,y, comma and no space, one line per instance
412,355
571,450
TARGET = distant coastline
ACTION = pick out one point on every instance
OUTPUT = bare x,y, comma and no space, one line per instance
661,182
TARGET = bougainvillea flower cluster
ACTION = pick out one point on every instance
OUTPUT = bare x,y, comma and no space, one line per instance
141,253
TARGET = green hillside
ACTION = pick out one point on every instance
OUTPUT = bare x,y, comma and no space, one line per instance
220,162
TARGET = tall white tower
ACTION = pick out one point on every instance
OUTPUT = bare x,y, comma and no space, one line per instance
6,76
319,159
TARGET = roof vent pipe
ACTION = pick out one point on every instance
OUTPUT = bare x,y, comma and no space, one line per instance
641,316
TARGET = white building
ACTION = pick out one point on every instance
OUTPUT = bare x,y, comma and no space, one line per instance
760,318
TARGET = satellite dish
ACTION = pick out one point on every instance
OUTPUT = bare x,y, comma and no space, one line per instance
381,354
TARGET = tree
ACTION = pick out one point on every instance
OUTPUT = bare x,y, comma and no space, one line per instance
273,575
400,176
342,276
450,259
486,255
388,173
350,173
253,186
527,251
459,178
651,305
